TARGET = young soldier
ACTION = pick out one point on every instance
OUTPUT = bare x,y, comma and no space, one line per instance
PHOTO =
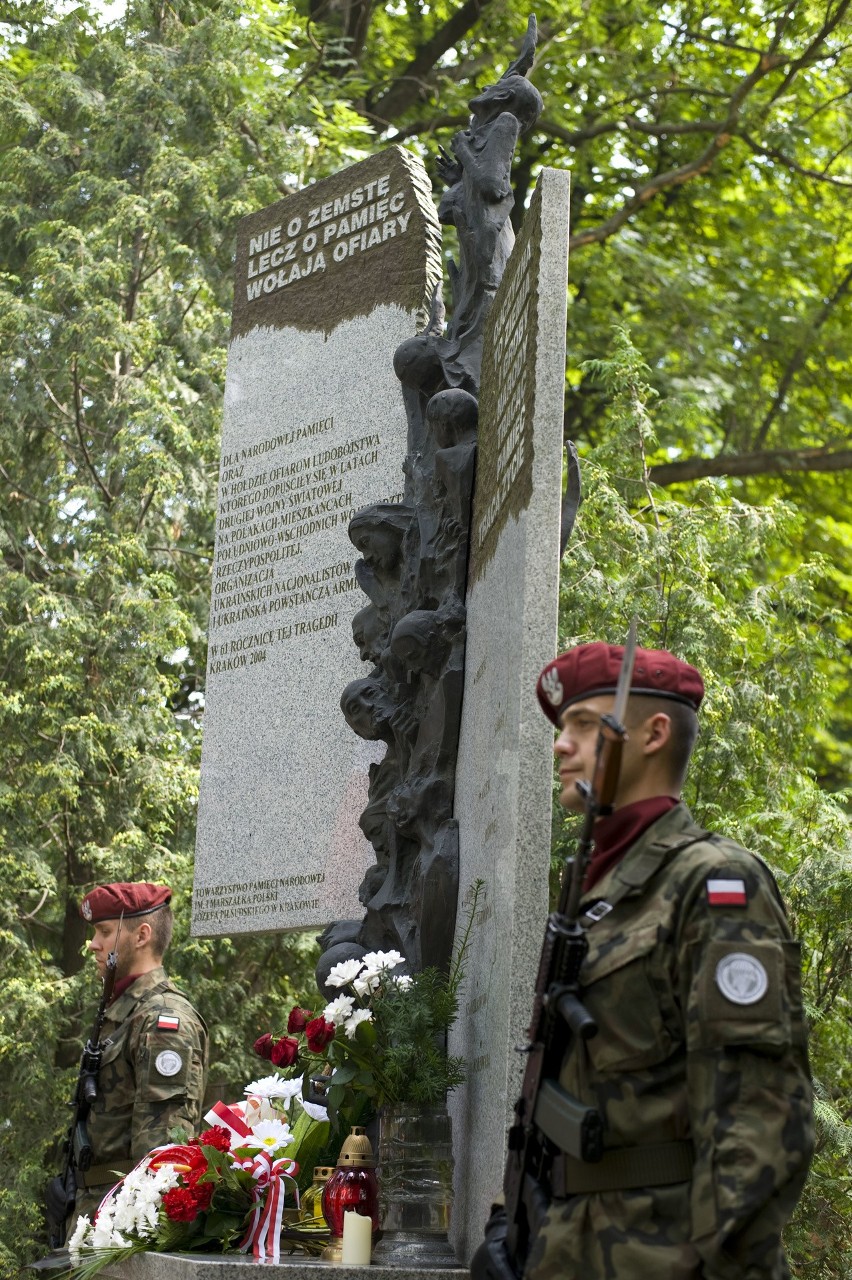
154,1066
699,1068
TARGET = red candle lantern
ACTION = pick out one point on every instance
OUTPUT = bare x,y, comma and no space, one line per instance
352,1187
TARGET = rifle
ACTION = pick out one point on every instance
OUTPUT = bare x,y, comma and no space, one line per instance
61,1193
547,1118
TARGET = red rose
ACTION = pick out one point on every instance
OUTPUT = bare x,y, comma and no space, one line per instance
319,1033
299,1019
263,1046
180,1205
285,1052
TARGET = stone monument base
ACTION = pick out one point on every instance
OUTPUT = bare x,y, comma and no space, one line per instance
235,1266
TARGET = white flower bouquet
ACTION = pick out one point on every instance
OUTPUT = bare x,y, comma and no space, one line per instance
383,1037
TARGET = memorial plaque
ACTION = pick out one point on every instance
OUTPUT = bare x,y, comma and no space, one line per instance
328,283
504,776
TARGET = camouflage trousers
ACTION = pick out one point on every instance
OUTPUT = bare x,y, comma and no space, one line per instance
633,1235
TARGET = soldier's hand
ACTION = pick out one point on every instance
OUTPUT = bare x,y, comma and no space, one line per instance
491,1260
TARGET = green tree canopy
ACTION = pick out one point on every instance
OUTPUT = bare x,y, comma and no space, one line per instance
709,148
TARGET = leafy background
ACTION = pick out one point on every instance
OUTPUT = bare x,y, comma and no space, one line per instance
709,391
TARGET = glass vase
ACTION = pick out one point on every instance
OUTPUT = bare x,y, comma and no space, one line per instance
415,1186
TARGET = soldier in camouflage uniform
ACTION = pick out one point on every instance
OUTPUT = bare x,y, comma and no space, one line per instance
154,1067
699,1068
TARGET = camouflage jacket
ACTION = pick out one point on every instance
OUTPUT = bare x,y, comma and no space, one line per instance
153,1070
694,981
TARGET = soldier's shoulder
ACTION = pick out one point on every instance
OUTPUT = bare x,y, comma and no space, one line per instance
719,872
710,852
167,1002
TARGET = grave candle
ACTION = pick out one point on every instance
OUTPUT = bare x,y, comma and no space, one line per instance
357,1239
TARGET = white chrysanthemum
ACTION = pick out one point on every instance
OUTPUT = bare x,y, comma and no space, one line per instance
163,1180
123,1207
269,1135
403,981
366,985
359,1016
124,1217
294,1090
147,1213
340,975
78,1241
273,1086
339,1010
377,962
150,1194
102,1230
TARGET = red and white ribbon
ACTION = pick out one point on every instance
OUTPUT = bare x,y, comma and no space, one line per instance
229,1118
270,1193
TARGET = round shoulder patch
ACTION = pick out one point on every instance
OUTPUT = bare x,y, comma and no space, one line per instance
168,1063
741,978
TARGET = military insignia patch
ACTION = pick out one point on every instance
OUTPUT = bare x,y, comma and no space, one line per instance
552,686
168,1063
86,909
741,978
168,1022
726,893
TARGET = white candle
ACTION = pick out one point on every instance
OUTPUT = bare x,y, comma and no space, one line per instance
357,1239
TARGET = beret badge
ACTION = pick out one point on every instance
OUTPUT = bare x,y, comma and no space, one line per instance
552,686
86,909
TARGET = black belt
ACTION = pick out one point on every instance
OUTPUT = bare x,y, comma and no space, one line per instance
623,1169
102,1175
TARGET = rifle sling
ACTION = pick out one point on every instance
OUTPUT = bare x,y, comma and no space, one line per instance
103,1175
623,1169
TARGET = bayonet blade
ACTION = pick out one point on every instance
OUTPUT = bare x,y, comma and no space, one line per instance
625,675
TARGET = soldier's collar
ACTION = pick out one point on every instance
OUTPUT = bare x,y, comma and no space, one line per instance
654,847
122,985
144,984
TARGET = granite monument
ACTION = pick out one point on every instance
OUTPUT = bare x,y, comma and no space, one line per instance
328,283
503,779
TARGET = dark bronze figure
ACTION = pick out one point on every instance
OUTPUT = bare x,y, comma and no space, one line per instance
414,559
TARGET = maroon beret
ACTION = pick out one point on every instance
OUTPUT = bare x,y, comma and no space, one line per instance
592,669
109,901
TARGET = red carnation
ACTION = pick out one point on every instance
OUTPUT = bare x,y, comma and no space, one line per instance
285,1052
263,1046
319,1033
217,1137
180,1205
203,1194
299,1019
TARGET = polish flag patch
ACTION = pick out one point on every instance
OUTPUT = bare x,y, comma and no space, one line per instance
168,1022
726,893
